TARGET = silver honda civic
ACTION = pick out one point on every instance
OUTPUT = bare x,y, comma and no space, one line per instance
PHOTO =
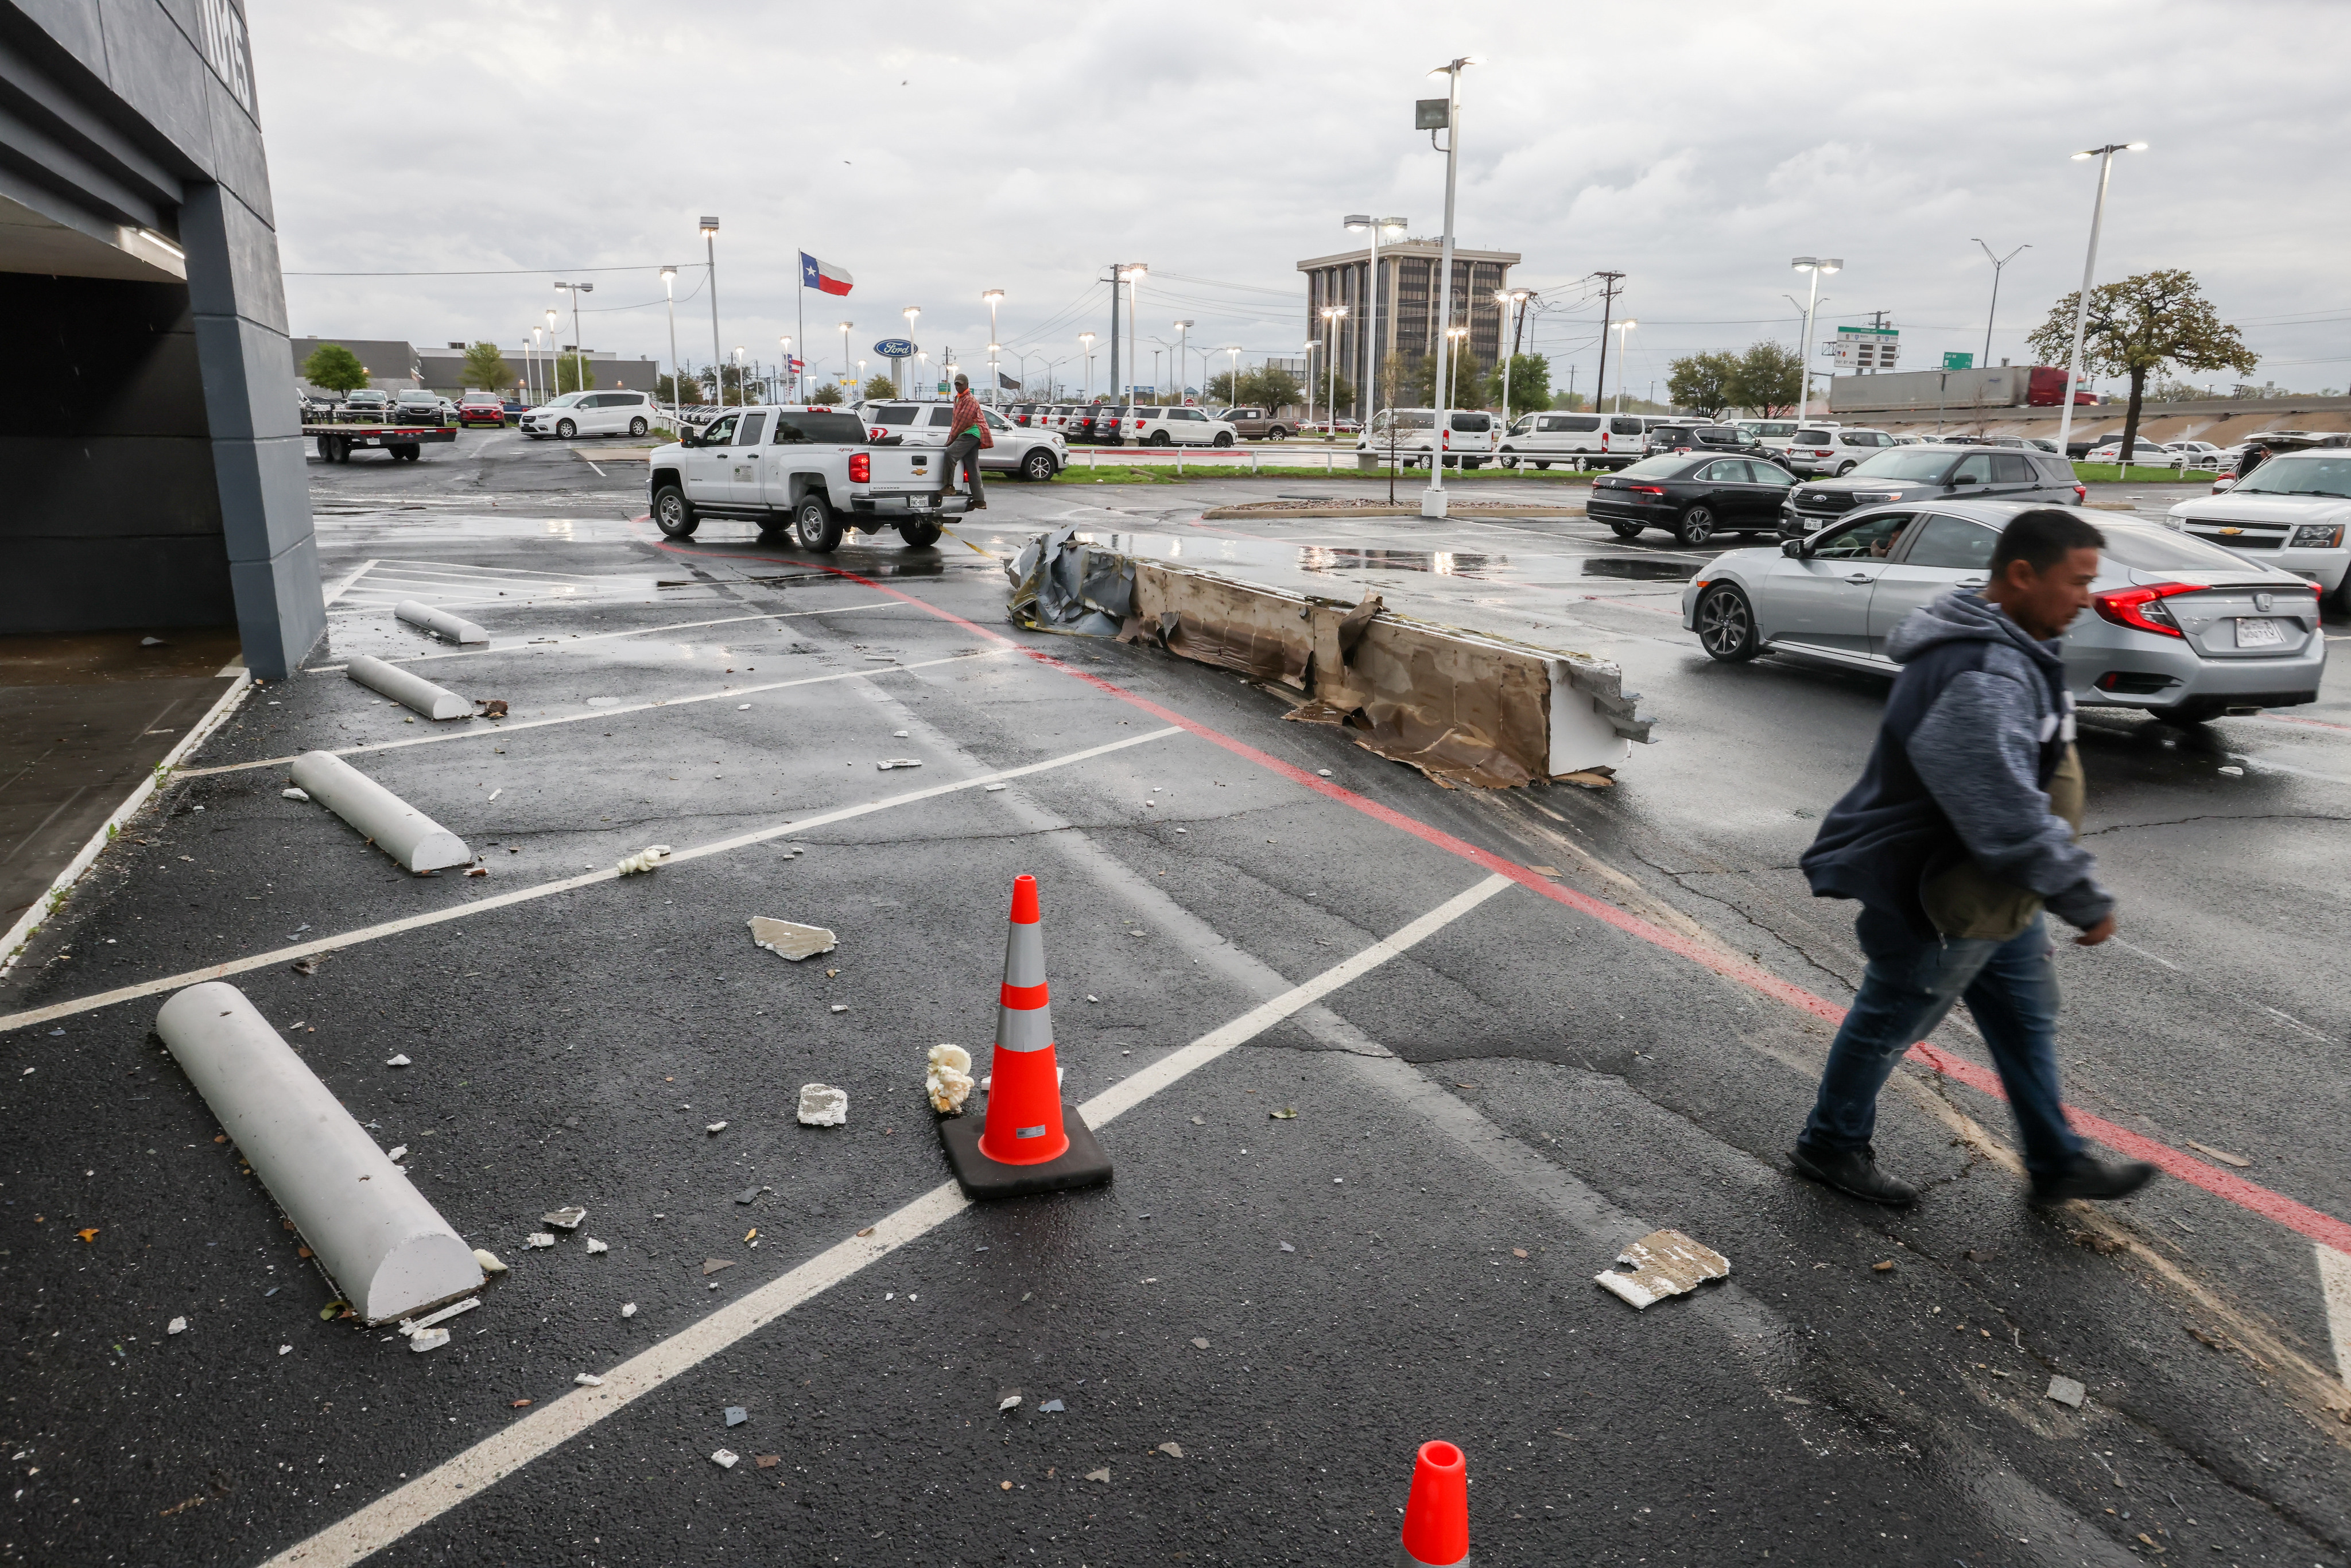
2176,627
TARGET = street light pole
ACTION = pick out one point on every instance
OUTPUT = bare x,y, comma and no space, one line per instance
1311,346
1332,316
1233,382
1816,265
717,354
1999,265
913,313
1432,500
1087,338
669,289
995,376
1134,276
1622,328
2089,268
1183,341
845,326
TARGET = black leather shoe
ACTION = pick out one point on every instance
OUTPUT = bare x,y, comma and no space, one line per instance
1854,1172
2094,1179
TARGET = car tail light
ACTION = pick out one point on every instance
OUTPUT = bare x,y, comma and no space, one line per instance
861,468
2081,494
1647,489
2141,608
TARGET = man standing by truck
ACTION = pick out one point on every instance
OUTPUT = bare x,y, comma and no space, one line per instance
967,435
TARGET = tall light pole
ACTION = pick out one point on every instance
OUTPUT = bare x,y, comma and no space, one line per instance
1816,265
1233,383
1622,328
1332,316
991,298
1135,273
531,367
579,343
1432,500
669,289
1999,265
710,251
1183,341
1087,338
1367,362
913,313
2089,268
1311,346
845,326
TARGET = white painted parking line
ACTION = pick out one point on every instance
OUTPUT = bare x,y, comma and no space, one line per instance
2334,1284
491,1461
484,729
345,586
548,889
570,641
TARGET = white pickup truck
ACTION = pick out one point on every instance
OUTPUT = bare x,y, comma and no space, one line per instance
802,466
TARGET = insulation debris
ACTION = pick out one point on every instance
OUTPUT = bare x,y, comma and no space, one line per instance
1053,1407
645,860
595,1247
2068,1392
397,1154
396,1061
1172,1450
291,793
2223,1155
887,763
1101,1475
1664,1263
737,1415
540,1238
588,1380
715,1128
725,1458
950,1082
712,1265
628,1309
489,1260
1010,1401
789,939
428,1339
564,1218
822,1105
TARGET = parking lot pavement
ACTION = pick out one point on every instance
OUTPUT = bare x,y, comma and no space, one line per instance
1499,1081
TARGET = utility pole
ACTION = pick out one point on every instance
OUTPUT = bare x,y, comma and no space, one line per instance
1526,298
1609,280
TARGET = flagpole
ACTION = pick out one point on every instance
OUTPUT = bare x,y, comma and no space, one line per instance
802,338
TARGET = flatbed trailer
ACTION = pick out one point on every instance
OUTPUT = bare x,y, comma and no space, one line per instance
337,442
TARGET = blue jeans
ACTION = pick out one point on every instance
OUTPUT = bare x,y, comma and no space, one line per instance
2009,987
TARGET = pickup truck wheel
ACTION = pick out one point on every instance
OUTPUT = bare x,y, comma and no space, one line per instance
673,514
1038,467
1726,625
638,428
1224,438
919,536
566,429
1277,433
814,521
774,528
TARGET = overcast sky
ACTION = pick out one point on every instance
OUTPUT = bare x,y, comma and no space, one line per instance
936,150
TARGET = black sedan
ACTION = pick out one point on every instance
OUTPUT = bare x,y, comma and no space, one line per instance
1691,495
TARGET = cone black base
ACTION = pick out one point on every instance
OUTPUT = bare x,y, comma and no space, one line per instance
1084,1164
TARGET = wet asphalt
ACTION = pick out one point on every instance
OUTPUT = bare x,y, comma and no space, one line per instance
1482,1121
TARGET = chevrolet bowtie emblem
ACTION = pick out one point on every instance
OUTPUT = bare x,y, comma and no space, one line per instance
2232,533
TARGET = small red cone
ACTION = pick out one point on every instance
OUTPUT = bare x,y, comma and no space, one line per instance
1436,1514
1030,1141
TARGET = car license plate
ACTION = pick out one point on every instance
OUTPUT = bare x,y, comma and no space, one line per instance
369,441
2253,632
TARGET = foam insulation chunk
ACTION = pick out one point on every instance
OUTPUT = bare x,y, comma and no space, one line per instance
645,858
790,939
950,1081
822,1105
1663,1263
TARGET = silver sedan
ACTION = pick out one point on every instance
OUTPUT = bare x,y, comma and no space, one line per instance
2177,627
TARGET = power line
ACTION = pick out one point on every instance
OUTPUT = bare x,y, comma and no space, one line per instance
487,272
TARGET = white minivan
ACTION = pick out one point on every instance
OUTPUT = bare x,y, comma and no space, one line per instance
591,413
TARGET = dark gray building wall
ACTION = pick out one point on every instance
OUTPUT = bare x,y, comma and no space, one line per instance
131,158
390,363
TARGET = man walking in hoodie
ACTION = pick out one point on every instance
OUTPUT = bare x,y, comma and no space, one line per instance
1964,827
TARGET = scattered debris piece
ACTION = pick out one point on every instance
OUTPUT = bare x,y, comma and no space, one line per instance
540,1238
867,1232
712,1265
628,1309
1664,1263
897,734
992,788
725,1458
1053,1407
183,1506
152,642
309,965
749,1194
888,763
767,1461
1590,778
1286,1246
1545,870
177,1325
1004,1486
489,1260
517,1404
822,1105
1172,1450
477,870
840,1007
1101,1475
588,1380
1010,1401
1287,1114
2233,772
428,1339
790,939
2222,1155
396,1061
564,1218
1885,1267
2098,1242
492,707
88,1236
715,1128
737,1415
288,1349
290,793
1518,1252
1199,1345
645,858
397,1154
2067,1390
456,1309
950,1081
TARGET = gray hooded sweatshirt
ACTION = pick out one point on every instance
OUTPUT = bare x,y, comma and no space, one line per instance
1975,728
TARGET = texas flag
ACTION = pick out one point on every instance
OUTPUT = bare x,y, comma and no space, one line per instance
823,275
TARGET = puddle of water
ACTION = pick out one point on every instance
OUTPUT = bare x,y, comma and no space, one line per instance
1641,567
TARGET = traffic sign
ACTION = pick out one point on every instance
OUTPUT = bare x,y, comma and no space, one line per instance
894,349
1954,361
1867,347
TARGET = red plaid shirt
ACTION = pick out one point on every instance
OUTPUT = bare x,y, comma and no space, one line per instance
965,415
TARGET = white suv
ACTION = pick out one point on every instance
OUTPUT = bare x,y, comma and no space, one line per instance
1036,454
1816,449
1172,426
591,413
2294,512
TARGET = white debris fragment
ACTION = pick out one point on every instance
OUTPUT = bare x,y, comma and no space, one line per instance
396,1061
397,1154
628,1309
456,1309
991,789
840,1007
898,735
538,1238
645,858
595,1247
2067,1390
428,1339
293,794
177,1325
822,1105
2234,772
588,1380
715,1128
887,763
948,1082
790,939
489,1260
1664,1263
725,1458
286,1350
564,1218
1010,1401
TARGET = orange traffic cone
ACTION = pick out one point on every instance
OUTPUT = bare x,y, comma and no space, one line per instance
1029,1142
1436,1514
